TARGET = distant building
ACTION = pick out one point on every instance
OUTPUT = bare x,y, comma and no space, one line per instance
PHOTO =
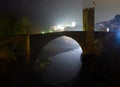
76,28
112,25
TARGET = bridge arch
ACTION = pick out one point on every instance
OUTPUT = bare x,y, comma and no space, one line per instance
37,42
61,44
81,41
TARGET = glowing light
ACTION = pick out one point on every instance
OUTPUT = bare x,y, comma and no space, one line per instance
42,32
73,24
108,29
55,28
60,27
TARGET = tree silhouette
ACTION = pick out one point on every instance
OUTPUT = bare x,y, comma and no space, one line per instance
23,25
11,25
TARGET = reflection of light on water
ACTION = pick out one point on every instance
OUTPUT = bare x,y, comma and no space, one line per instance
65,60
64,67
61,44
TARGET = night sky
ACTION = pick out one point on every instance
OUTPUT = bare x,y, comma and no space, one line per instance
53,12
44,12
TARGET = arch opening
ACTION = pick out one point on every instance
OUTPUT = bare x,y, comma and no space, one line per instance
64,56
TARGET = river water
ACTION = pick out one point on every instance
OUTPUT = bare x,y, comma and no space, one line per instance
64,54
64,67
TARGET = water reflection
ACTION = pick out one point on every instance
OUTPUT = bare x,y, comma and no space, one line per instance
64,54
60,45
64,67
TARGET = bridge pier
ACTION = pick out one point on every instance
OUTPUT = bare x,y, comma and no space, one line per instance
28,49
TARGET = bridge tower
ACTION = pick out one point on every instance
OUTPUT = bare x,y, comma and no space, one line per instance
88,19
88,27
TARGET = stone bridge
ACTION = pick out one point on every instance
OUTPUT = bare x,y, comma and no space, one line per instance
31,44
